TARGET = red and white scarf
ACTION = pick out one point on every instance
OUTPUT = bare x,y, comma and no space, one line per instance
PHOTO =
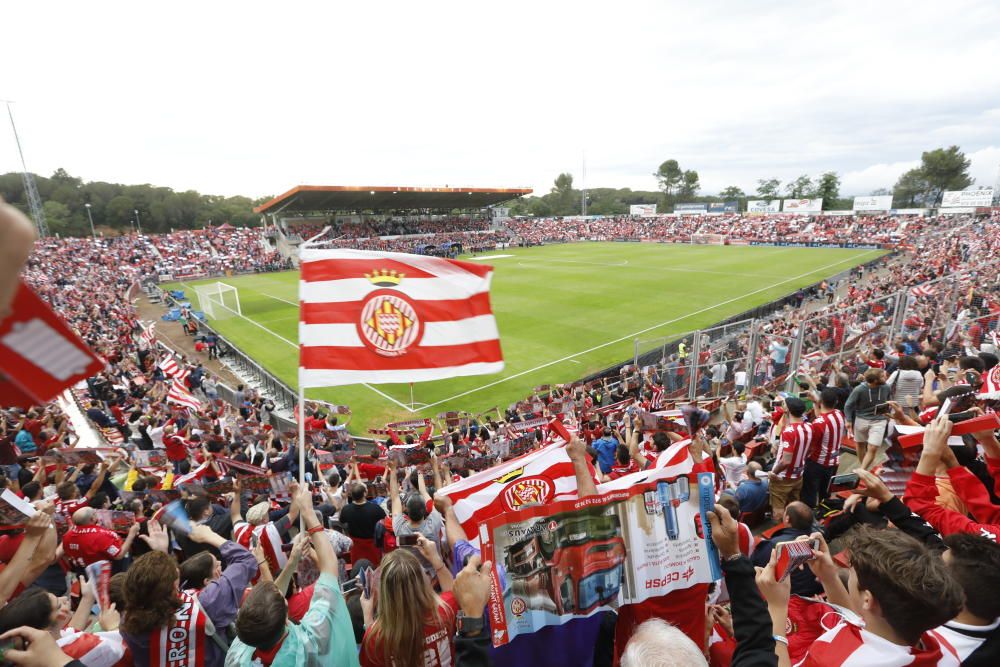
183,642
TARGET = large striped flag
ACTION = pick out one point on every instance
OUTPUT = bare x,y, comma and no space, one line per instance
541,476
391,317
922,290
179,394
171,369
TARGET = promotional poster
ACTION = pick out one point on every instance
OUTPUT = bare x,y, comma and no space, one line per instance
576,557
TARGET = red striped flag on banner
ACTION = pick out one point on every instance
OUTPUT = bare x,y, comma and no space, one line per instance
542,476
922,290
391,317
179,394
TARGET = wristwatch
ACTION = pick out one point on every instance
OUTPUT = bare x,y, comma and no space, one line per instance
468,625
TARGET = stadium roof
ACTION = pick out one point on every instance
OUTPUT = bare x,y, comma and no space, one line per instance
304,198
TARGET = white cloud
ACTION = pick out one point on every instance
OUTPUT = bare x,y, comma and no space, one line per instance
254,97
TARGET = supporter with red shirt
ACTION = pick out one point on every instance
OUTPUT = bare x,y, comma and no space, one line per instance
69,493
176,444
86,542
828,431
414,625
624,464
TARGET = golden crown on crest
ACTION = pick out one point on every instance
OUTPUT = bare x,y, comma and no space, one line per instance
385,277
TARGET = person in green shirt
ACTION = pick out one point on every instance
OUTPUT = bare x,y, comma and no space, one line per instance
324,637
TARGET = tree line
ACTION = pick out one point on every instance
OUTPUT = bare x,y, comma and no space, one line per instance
113,205
116,207
940,170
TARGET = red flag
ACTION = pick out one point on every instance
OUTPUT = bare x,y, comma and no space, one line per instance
390,317
179,394
542,476
171,369
39,354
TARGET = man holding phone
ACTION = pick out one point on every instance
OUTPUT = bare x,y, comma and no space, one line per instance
866,421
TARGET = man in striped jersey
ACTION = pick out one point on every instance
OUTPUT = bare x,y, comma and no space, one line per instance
790,457
823,457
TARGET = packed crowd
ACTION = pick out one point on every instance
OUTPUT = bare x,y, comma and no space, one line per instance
191,543
735,228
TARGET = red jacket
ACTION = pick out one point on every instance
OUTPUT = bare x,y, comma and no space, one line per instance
921,497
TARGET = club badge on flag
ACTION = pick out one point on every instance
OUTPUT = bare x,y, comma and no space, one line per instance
392,317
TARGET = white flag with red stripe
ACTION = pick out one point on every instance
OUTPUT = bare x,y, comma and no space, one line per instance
171,369
539,477
179,394
390,317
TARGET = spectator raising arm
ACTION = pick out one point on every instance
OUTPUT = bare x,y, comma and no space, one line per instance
921,491
29,561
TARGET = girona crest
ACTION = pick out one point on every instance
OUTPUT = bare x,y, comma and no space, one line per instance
389,324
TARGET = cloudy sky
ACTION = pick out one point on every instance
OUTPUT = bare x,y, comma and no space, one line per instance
253,98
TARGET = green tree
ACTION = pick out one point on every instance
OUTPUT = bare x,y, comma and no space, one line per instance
944,169
731,193
58,217
669,176
911,189
800,188
118,212
689,184
566,200
767,188
828,187
880,192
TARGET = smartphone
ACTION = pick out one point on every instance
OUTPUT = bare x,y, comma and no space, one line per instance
848,481
407,540
254,541
945,408
368,577
792,555
883,409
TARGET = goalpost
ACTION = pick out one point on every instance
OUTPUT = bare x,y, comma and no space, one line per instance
218,300
708,239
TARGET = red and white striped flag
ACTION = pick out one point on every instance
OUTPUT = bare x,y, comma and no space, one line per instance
922,290
179,394
542,476
391,317
148,335
171,369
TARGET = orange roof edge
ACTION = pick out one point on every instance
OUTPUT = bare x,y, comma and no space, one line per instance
514,192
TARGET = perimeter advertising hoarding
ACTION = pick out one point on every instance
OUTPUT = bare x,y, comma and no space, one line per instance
965,198
573,558
873,203
803,206
642,210
763,206
724,207
690,208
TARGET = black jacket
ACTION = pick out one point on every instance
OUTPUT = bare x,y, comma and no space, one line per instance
751,620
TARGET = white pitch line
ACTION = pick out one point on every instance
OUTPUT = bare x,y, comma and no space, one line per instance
647,329
278,298
296,346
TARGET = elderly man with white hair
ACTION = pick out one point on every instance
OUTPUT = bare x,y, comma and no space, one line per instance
656,643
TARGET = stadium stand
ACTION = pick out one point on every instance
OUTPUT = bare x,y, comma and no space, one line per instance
832,380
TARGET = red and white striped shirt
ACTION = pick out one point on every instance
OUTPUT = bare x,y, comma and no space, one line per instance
797,440
848,645
828,434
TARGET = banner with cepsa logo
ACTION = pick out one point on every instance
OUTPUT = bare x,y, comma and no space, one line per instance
763,206
803,206
574,558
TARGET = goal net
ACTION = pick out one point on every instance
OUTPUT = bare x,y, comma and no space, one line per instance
708,239
218,300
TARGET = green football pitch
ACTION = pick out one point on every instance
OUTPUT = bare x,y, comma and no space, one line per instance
563,311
